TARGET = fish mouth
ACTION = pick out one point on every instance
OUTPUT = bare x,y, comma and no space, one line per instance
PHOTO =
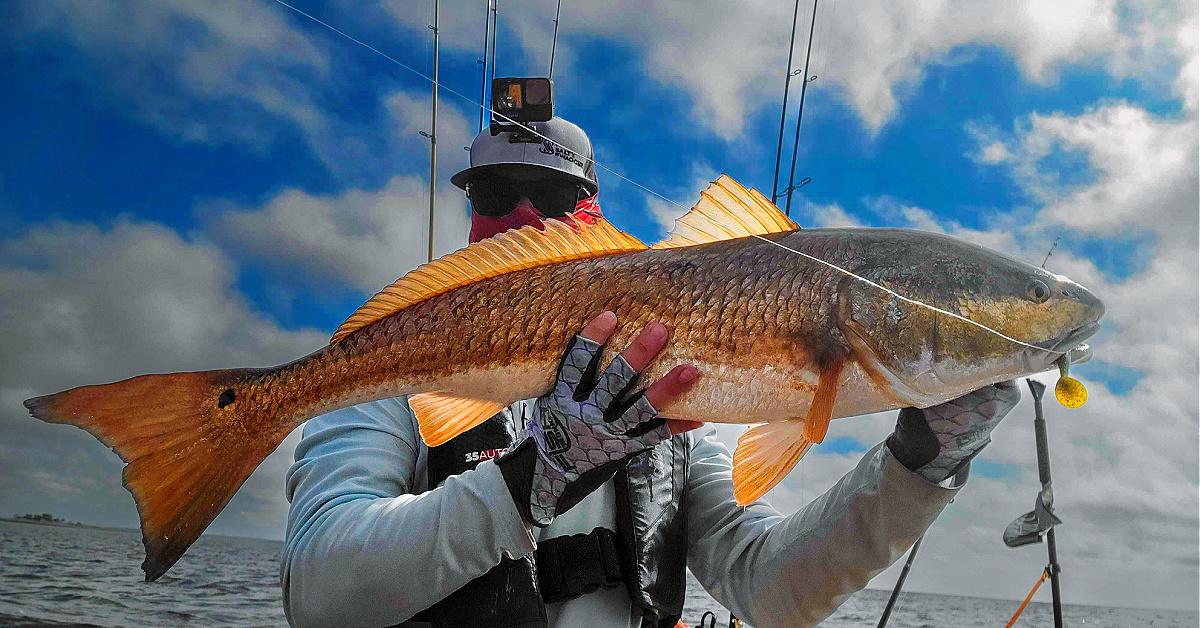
1072,339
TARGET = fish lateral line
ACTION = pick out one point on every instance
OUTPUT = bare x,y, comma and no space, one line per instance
1069,392
726,204
907,299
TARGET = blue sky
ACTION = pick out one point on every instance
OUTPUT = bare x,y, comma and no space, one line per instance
188,186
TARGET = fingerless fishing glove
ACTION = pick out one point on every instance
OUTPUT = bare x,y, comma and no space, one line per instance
580,434
937,442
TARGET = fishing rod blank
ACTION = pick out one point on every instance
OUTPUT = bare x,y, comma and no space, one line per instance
887,610
554,42
787,81
487,30
1043,452
495,30
800,114
437,9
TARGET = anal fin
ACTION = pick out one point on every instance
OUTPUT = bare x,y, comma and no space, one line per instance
764,456
441,417
816,424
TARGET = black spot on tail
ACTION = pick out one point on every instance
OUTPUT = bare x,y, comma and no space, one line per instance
226,398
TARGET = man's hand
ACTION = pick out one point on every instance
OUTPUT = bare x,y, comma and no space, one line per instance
937,442
587,426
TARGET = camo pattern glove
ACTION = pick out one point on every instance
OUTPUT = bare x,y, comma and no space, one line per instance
937,442
581,433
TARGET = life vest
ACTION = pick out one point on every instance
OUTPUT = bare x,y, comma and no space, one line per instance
647,554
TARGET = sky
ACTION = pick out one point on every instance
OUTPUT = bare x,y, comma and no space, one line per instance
188,186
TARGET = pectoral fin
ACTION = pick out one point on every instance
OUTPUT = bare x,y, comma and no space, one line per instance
441,417
765,454
816,424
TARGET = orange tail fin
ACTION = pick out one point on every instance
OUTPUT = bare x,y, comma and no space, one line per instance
187,443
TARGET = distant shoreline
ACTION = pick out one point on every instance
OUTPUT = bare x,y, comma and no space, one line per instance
65,524
84,526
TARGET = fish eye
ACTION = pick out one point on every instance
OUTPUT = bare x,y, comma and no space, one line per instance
1037,291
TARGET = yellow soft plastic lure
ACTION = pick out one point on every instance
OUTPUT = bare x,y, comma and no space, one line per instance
1069,391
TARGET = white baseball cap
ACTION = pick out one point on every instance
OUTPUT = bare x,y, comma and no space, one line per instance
521,154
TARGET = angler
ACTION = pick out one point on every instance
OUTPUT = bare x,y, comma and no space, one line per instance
399,506
493,552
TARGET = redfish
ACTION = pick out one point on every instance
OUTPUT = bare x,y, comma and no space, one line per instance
888,318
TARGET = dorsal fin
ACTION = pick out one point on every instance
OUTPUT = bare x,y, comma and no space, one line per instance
727,210
510,251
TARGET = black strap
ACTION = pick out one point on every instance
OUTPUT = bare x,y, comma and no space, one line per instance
571,566
506,596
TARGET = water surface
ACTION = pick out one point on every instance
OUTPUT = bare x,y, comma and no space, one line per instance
53,576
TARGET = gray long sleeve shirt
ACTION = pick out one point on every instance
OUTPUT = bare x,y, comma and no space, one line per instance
368,544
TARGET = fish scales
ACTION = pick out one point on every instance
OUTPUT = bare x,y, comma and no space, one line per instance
721,302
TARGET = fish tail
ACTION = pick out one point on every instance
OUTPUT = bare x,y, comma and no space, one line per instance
185,441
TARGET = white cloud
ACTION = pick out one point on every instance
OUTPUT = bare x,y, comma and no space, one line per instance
200,72
253,68
1142,167
1186,84
665,213
732,60
84,305
885,47
363,239
409,114
233,73
810,214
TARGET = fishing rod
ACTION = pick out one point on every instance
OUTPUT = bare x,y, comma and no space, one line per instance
787,81
1051,251
709,620
800,114
1030,527
1027,528
495,31
437,11
1043,453
554,42
887,610
487,29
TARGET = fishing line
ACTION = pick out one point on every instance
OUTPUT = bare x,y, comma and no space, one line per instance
468,99
906,299
828,30
649,191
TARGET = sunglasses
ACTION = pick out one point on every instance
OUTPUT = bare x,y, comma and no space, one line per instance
495,197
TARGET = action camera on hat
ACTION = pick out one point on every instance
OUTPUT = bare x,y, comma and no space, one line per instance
516,100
